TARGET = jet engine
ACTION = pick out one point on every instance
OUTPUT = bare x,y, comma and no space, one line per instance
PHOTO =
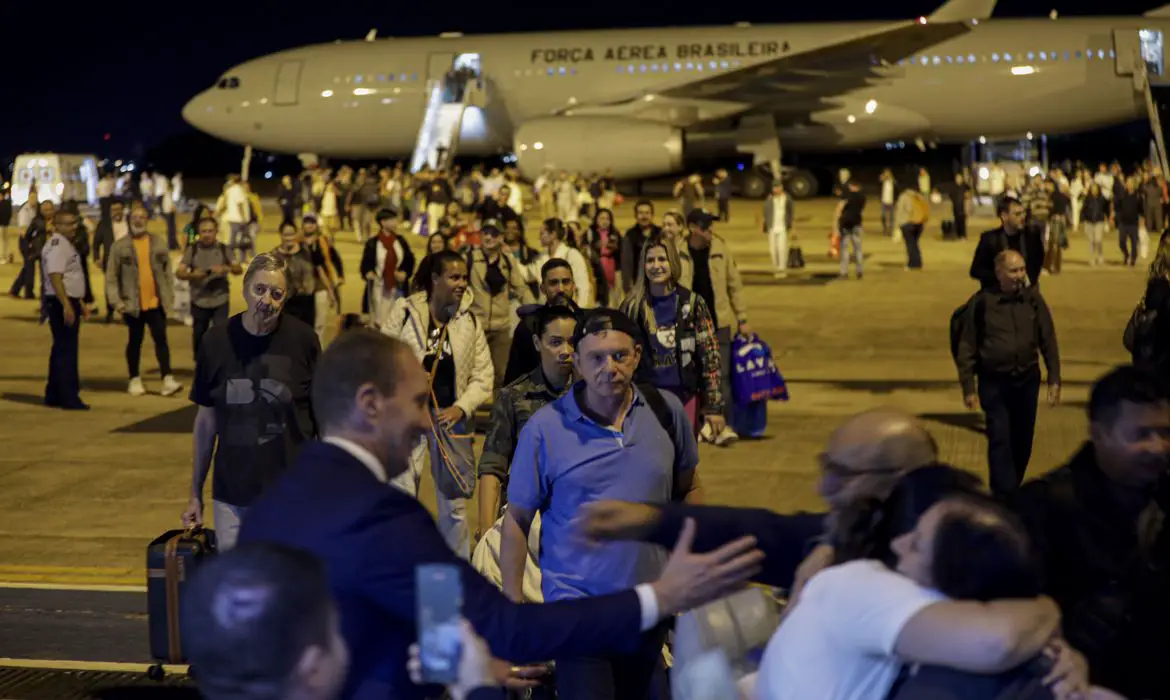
631,148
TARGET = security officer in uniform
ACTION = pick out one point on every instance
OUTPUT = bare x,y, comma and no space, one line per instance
64,286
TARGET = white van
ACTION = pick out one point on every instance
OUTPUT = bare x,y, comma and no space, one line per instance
57,176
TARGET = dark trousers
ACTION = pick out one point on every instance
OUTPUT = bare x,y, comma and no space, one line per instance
288,215
960,225
25,280
64,385
911,233
637,676
156,321
1009,408
202,320
172,234
724,209
1128,233
88,298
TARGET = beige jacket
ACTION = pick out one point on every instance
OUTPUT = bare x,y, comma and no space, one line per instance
730,309
473,362
495,313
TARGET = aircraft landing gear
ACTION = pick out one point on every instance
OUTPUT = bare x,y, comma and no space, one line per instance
800,183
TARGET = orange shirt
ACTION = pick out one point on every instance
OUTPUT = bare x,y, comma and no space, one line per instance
147,289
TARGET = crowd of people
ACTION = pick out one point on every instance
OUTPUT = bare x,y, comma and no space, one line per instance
604,358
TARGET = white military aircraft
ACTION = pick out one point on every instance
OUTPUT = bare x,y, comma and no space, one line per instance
643,101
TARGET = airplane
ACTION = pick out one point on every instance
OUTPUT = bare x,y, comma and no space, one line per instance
645,102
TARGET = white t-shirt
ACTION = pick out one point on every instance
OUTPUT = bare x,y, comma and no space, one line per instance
997,181
888,191
837,642
235,202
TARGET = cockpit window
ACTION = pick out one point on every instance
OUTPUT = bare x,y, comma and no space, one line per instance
231,82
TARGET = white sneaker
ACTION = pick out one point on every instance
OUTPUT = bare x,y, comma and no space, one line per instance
136,388
170,386
726,437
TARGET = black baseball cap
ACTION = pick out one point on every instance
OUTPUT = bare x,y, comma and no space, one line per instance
600,319
701,217
386,213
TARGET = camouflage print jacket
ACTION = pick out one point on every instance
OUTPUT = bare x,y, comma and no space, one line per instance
514,405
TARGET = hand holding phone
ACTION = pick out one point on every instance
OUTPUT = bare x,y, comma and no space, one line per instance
439,596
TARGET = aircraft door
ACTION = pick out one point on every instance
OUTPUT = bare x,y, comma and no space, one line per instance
439,64
1127,47
288,83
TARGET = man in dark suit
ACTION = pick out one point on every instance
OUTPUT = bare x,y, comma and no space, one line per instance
369,397
1011,235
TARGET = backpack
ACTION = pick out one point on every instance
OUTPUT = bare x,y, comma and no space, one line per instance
658,405
957,325
1140,337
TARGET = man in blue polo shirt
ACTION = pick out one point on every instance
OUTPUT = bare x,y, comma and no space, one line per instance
603,439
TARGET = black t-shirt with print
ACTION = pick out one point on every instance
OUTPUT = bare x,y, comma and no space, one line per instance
444,382
259,388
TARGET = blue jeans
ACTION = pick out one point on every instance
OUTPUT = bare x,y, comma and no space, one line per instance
852,237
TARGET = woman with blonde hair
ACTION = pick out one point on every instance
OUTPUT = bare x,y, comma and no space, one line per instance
681,352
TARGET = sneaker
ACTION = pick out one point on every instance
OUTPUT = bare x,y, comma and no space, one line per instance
136,388
726,437
170,386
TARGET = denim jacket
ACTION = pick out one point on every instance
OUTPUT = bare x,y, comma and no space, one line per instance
122,274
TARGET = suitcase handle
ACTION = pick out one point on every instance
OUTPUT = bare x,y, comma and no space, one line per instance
171,560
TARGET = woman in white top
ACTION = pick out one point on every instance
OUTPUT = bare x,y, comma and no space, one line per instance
936,575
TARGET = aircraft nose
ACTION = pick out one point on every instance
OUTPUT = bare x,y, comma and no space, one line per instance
192,112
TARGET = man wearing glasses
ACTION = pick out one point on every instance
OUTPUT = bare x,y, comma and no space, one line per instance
863,458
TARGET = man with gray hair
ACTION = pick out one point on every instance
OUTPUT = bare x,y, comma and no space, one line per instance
1004,331
863,458
252,379
259,624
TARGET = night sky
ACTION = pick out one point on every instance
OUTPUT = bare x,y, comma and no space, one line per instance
127,68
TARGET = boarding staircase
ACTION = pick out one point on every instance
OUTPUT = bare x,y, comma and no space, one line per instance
1141,81
438,136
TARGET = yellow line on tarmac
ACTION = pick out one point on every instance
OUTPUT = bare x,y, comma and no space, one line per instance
106,588
67,665
65,575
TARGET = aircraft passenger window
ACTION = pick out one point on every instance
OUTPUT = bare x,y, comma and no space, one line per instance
653,67
550,71
724,65
1066,55
970,58
735,64
678,66
562,70
1031,56
995,58
1101,53
714,65
665,67
951,59
1111,54
390,77
573,71
1077,54
936,61
619,69
414,76
642,68
690,66
1043,56
699,67
959,59
1007,57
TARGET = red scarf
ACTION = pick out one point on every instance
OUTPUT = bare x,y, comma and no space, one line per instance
389,281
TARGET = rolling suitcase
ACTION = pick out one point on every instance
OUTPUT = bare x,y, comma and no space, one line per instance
170,560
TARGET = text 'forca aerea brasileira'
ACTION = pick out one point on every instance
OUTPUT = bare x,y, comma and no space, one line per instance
656,52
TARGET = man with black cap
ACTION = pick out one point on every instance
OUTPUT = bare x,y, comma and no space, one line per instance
387,264
715,277
604,438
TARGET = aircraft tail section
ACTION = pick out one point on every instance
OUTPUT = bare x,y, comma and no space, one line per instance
1163,11
963,10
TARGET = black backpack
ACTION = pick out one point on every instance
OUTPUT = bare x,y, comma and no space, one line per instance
1140,337
657,404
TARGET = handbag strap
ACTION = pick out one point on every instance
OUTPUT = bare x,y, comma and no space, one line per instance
448,460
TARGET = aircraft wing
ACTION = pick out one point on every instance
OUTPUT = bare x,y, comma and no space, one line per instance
802,80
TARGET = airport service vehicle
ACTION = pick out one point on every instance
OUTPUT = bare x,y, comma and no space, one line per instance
646,102
56,176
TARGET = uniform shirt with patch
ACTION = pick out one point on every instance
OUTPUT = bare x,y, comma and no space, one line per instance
259,388
59,256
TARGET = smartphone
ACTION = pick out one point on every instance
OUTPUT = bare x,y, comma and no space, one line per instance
439,596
